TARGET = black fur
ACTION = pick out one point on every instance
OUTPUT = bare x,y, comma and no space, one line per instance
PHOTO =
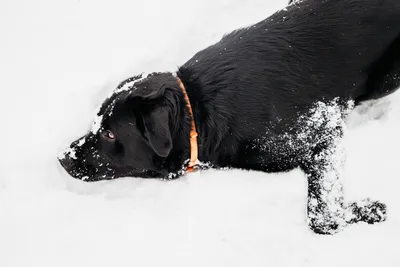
253,94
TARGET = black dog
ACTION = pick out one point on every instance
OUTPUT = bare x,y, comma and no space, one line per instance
269,97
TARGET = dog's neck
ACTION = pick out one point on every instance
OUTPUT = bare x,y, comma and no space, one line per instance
194,157
181,125
206,117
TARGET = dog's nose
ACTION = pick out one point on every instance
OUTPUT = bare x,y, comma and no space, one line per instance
67,163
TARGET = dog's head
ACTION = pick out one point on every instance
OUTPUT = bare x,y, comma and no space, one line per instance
132,134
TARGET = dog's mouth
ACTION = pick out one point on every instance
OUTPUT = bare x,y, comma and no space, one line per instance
90,174
75,170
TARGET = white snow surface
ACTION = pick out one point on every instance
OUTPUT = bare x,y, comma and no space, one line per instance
60,59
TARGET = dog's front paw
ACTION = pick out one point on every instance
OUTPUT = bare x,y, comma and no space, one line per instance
323,227
367,211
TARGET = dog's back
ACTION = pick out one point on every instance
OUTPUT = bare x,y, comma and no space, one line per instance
312,50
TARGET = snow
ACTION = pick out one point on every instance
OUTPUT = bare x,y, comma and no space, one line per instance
130,83
96,124
60,59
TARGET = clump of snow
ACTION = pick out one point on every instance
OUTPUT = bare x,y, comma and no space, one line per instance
96,124
69,151
81,142
126,87
129,84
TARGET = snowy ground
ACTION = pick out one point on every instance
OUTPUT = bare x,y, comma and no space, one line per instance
58,59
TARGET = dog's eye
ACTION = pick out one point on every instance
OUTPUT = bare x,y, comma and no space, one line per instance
108,135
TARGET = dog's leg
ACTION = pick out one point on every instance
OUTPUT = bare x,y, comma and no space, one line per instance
327,212
326,209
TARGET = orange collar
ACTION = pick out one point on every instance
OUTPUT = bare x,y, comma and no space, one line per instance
194,151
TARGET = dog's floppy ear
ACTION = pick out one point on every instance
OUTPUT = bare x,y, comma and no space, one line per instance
146,97
157,131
